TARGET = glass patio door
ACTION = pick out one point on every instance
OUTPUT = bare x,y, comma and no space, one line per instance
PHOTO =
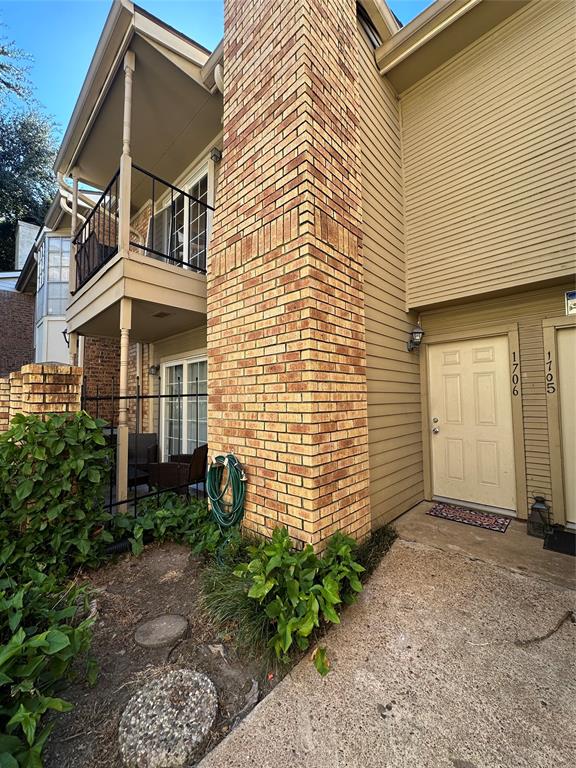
185,406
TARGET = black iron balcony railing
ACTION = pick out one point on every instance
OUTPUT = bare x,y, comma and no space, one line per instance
97,241
177,226
173,228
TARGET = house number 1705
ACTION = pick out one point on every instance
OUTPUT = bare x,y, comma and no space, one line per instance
550,383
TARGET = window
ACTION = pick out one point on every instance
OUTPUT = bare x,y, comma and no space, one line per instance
52,279
179,231
198,226
177,228
185,406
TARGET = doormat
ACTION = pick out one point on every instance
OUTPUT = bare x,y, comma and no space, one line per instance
470,517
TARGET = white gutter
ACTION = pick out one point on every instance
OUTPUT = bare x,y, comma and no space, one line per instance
427,20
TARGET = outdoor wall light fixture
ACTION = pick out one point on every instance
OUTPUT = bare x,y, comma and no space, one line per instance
416,335
66,337
216,155
154,370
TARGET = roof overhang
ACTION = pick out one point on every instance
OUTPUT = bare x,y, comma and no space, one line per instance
385,23
167,85
26,282
441,31
56,220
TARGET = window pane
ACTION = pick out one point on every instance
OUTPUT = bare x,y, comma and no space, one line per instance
177,229
54,244
173,412
197,404
198,221
57,298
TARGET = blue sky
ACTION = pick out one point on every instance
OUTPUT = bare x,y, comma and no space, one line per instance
61,36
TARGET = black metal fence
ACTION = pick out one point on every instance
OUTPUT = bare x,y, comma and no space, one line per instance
154,466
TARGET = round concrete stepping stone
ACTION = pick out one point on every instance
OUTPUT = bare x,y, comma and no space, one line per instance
166,723
163,630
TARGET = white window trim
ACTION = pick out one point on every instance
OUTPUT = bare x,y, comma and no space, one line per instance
205,168
193,357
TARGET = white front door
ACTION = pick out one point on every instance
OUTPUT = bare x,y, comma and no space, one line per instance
471,422
566,341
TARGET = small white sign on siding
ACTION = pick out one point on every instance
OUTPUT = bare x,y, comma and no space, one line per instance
571,302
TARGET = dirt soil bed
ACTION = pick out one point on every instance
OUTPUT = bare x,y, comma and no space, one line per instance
164,579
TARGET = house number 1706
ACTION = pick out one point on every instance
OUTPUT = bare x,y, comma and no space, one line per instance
515,376
550,383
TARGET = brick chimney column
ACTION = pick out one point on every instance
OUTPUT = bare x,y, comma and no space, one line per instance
286,343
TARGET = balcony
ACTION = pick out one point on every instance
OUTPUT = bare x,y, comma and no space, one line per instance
163,268
172,226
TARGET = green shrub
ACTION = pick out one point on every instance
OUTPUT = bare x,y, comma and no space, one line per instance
40,637
51,477
294,591
170,518
51,521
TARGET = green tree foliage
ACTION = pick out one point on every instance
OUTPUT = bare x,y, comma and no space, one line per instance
27,151
27,186
14,80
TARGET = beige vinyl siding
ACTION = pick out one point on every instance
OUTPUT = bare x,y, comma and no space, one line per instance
528,309
394,431
489,160
173,347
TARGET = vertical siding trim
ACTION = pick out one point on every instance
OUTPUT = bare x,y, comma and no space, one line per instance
549,328
394,433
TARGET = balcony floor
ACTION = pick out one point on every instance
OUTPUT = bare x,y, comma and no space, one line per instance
166,300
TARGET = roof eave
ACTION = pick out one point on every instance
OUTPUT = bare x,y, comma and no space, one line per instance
116,27
420,30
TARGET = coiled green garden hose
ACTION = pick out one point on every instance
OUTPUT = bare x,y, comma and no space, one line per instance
226,513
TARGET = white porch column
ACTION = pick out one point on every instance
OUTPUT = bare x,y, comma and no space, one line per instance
73,232
73,338
123,429
125,184
126,159
73,347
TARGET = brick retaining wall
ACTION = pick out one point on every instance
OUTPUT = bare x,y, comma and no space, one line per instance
40,388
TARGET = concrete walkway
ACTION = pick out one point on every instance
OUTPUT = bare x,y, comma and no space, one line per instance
514,549
436,666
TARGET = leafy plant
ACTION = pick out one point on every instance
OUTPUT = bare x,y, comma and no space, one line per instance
51,477
295,590
171,518
40,637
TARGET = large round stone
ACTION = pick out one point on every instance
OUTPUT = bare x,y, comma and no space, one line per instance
163,630
166,723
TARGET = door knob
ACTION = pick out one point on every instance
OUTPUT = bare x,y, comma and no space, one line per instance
435,430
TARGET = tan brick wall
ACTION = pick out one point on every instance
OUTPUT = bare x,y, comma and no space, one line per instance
4,404
101,365
139,226
40,388
285,286
142,424
15,381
